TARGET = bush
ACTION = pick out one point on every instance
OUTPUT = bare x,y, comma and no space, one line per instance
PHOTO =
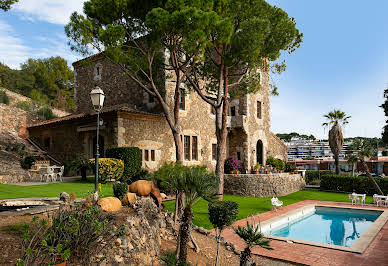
27,162
120,190
290,167
109,168
315,174
222,213
163,175
131,157
4,97
74,234
277,163
46,113
143,174
231,165
358,184
25,105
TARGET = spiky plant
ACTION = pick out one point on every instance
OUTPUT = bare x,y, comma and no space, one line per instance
252,236
336,118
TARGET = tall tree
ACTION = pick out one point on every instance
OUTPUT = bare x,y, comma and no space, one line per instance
246,38
361,150
6,4
385,107
336,118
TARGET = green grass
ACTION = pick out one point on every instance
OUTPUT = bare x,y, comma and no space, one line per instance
248,206
79,187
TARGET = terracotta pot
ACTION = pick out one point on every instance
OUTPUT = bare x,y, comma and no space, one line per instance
63,263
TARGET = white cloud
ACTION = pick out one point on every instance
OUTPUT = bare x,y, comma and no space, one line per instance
53,11
13,51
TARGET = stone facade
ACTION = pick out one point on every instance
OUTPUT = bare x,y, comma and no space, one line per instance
263,185
143,125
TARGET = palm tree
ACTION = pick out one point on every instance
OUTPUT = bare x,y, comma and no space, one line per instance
336,139
195,183
252,236
362,149
352,158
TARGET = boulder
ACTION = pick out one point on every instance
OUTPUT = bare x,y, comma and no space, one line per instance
129,199
64,197
164,196
141,187
110,204
155,193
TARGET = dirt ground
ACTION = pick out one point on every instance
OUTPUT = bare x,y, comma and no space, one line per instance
207,255
10,241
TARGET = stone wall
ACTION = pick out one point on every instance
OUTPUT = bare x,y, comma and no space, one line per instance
263,185
117,86
143,234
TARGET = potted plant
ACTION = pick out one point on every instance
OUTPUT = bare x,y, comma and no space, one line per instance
256,169
80,164
232,166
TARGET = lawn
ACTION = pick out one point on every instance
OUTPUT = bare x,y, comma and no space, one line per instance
248,206
79,187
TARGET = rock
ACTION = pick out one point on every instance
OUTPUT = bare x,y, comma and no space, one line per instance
141,187
129,199
155,193
203,231
64,197
118,259
110,204
164,196
118,242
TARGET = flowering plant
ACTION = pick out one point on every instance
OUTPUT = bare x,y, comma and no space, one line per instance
232,165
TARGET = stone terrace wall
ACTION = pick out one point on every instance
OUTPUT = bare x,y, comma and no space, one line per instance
263,185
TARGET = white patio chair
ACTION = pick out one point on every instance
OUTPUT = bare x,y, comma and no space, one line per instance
361,199
50,174
353,199
276,203
43,173
59,175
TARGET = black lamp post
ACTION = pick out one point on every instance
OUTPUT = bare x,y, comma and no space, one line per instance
97,96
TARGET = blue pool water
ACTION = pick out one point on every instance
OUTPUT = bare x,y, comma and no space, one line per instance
335,226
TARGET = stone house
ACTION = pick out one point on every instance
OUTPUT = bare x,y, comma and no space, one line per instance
132,118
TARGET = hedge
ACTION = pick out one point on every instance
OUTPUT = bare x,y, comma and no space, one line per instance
358,184
315,174
108,168
131,157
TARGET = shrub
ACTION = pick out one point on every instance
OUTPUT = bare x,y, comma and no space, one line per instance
120,190
315,175
131,157
165,173
46,113
25,105
4,97
290,167
222,213
358,184
109,168
27,162
231,165
143,174
277,163
75,234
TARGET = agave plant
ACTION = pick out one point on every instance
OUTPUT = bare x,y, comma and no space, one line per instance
252,236
336,118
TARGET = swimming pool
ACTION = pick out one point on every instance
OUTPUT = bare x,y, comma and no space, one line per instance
349,229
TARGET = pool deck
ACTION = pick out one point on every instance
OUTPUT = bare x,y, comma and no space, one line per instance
375,254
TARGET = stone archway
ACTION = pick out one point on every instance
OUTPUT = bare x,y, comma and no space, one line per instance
259,152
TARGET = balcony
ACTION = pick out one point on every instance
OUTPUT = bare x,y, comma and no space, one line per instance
238,121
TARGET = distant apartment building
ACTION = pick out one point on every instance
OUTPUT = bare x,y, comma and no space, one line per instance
303,149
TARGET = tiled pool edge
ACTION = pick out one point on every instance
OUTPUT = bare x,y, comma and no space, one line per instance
358,247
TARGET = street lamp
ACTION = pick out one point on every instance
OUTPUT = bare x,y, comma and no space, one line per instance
97,96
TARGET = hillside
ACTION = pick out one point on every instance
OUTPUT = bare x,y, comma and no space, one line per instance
13,146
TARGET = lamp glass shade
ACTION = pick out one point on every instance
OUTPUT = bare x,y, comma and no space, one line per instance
97,96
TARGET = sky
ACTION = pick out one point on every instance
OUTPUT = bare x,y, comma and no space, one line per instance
342,62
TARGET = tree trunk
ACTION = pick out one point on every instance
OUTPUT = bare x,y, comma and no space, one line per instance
245,257
83,173
218,236
353,168
185,231
179,200
371,178
336,162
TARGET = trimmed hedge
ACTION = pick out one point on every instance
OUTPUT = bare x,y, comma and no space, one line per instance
358,184
314,174
108,168
131,157
277,163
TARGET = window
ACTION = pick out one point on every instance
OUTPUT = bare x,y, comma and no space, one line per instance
98,70
233,111
47,142
153,155
259,109
146,155
182,103
151,99
239,156
194,150
187,148
212,110
214,152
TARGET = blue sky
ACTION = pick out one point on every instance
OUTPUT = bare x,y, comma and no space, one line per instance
342,63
